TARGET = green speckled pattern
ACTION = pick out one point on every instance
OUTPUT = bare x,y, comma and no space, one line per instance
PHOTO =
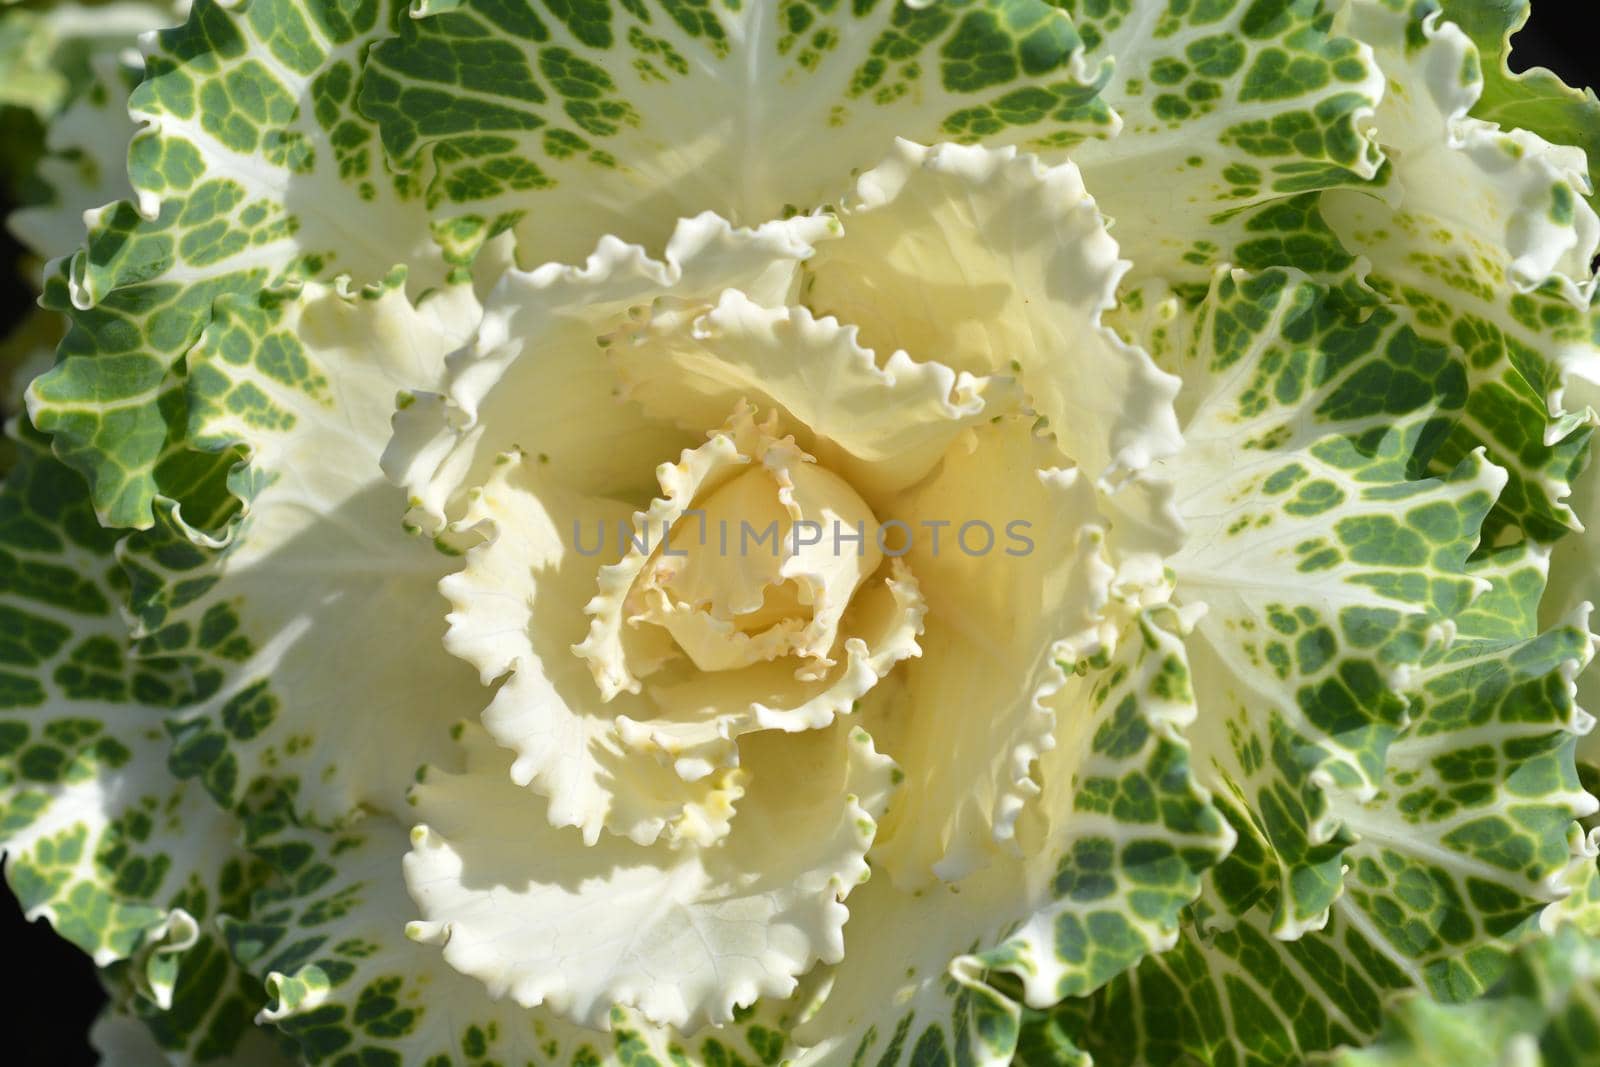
1544,1012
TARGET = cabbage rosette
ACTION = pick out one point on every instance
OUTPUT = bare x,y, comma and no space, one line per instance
878,533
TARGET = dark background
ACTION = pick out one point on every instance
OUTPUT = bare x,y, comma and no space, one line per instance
46,1020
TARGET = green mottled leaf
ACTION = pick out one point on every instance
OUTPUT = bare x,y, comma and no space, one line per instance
1452,861
1325,560
517,107
1545,1012
620,118
122,860
1489,242
209,1018
253,168
1483,233
343,986
1111,856
1242,106
316,623
260,166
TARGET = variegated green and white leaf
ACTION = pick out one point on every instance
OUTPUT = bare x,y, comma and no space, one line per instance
123,861
1237,995
317,620
252,167
1455,859
646,112
1110,855
1475,827
1326,563
1487,238
622,118
346,988
1241,106
1484,234
1545,1012
209,1017
258,166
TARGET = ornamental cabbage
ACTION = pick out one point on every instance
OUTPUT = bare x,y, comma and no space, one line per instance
711,532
